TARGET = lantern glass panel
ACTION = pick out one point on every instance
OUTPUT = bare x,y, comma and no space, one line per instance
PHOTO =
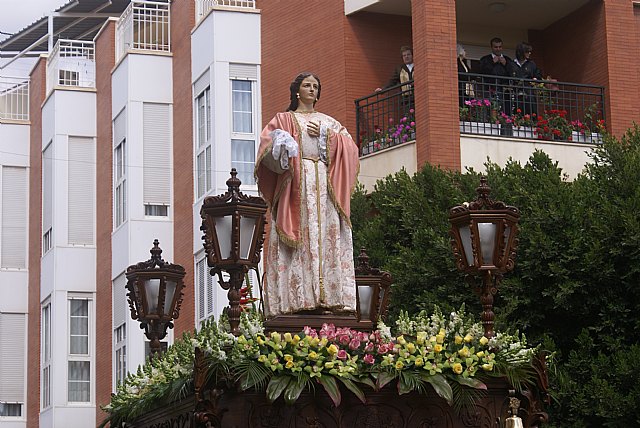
152,291
465,237
223,231
507,235
487,235
247,228
364,295
170,291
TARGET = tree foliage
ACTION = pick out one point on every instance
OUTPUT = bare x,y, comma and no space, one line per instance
576,285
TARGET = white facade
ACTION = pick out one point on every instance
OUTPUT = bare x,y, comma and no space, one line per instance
225,54
68,265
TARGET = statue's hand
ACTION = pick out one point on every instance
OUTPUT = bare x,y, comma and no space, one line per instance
313,129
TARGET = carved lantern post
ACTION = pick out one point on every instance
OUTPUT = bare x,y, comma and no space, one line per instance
373,291
155,295
233,226
484,240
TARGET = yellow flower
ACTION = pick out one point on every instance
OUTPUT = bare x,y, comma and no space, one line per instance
287,337
437,349
458,340
401,340
313,355
289,364
480,354
332,349
440,337
457,368
421,337
276,336
487,367
464,352
262,358
399,365
323,342
296,339
432,339
260,340
411,347
314,341
442,332
484,340
329,364
288,357
419,362
468,338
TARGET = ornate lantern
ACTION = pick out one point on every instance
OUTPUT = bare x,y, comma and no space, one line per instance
155,295
233,226
484,240
373,290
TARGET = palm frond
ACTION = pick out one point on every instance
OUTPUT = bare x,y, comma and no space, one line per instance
252,374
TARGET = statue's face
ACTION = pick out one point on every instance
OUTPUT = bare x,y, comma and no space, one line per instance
308,90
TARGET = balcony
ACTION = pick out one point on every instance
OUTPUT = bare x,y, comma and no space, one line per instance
144,26
204,6
14,98
71,65
530,109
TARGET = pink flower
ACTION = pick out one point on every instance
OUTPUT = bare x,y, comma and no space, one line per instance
412,111
308,331
413,124
342,354
390,120
344,339
369,347
369,359
354,344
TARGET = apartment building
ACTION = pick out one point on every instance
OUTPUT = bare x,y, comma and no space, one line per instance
135,111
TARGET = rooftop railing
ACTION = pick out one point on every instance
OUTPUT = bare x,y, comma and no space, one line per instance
71,64
145,26
14,98
204,6
533,109
385,119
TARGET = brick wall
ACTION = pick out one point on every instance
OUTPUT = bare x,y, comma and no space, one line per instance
182,22
436,84
36,98
105,60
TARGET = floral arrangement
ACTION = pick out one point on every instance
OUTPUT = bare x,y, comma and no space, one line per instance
476,110
438,350
520,119
553,125
590,123
403,131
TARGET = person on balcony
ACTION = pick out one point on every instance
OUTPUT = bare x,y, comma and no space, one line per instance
497,64
306,170
522,67
466,86
401,75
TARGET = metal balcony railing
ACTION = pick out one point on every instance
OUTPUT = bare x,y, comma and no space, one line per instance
385,119
14,98
534,109
204,6
71,64
145,26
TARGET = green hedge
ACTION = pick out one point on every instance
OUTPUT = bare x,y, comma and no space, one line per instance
576,285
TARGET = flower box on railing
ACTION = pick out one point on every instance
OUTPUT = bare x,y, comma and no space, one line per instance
480,128
524,132
581,137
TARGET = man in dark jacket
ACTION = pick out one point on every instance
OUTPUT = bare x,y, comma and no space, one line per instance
401,75
497,64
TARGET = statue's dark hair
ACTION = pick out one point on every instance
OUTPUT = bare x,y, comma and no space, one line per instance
295,87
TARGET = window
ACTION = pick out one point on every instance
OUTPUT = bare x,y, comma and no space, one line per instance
204,283
45,335
79,364
68,78
120,177
120,346
47,198
203,143
156,210
13,370
243,152
156,156
81,185
13,231
120,168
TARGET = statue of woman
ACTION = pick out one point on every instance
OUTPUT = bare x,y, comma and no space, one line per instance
306,170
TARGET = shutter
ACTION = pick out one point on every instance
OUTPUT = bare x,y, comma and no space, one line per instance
119,128
13,235
243,71
120,304
156,154
12,357
81,186
47,187
200,272
201,84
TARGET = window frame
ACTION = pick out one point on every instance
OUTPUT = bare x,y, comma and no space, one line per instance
120,353
203,160
81,357
45,355
245,176
120,183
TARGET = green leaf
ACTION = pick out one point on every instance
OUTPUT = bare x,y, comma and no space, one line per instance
295,388
330,385
471,382
367,381
277,384
252,374
383,379
440,385
351,386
